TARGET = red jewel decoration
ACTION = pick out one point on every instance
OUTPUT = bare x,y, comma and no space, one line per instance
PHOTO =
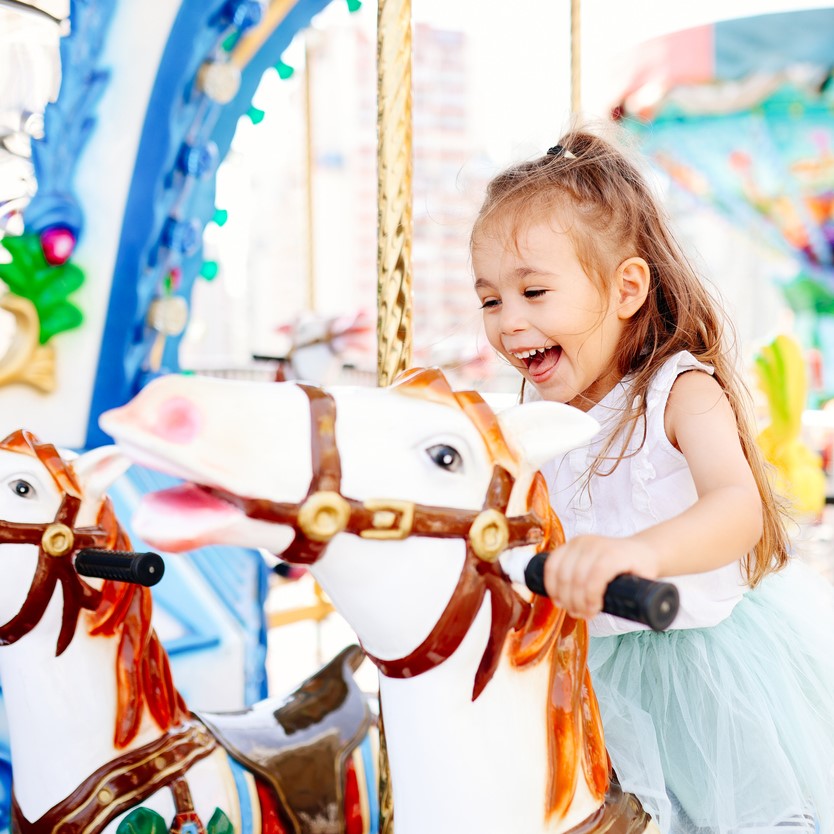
58,243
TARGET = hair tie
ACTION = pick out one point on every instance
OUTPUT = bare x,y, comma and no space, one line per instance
558,150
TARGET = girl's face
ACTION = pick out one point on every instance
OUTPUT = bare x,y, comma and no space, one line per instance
544,314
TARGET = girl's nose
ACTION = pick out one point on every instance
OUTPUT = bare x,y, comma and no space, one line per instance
513,319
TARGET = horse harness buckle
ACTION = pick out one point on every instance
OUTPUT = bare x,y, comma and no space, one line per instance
390,519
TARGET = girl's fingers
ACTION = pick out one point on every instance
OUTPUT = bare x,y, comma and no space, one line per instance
577,574
567,591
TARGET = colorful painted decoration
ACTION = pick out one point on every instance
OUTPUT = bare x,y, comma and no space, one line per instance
158,112
739,114
420,494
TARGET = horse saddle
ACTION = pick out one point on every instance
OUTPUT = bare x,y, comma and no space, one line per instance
299,744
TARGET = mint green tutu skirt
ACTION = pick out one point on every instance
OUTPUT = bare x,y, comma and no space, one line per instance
730,728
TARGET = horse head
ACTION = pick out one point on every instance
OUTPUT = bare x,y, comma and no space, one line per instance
49,508
306,464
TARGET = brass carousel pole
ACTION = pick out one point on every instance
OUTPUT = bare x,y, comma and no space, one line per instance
575,57
309,184
394,198
395,227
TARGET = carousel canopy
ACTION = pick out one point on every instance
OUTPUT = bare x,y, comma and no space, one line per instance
739,113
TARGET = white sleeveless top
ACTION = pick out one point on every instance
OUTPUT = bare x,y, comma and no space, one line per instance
647,487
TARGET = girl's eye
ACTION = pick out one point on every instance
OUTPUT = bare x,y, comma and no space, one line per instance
489,303
534,293
446,457
23,489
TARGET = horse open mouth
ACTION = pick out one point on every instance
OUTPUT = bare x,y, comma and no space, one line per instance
184,517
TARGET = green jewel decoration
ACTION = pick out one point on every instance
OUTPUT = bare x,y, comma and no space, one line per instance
142,821
219,824
256,115
46,286
354,5
220,217
229,44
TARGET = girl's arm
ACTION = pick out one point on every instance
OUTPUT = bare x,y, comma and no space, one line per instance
723,525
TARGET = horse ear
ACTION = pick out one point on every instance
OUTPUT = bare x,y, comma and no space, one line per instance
542,430
97,469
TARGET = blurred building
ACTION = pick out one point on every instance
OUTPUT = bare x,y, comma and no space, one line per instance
271,269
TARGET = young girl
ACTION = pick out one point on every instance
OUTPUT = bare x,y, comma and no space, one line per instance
725,723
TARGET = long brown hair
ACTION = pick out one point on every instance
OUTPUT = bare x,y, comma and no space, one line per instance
616,216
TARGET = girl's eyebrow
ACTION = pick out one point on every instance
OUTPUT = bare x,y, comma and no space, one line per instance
518,274
525,271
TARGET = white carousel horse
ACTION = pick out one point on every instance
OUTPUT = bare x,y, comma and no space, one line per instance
401,500
101,740
319,345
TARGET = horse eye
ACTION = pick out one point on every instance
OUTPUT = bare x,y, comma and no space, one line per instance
23,488
446,457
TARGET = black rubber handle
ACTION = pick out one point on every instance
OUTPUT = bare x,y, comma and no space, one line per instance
646,601
120,565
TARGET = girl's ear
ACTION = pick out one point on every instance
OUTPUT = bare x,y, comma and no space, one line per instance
633,278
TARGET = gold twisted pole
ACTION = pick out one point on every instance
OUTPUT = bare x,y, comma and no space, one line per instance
394,197
575,57
395,227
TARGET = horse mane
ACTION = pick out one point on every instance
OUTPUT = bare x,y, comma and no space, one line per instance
143,670
573,718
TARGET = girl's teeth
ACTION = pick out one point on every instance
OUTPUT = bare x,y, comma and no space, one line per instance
525,354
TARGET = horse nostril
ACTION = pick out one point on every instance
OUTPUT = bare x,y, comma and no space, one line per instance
178,420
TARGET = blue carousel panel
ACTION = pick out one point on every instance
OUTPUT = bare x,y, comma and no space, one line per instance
187,132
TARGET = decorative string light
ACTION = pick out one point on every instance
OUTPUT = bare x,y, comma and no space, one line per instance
209,270
285,71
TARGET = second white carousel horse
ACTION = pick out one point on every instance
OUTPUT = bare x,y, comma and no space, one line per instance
101,740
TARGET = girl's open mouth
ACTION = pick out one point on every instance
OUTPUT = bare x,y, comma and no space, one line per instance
544,361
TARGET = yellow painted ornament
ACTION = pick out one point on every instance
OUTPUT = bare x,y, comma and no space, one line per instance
24,360
782,376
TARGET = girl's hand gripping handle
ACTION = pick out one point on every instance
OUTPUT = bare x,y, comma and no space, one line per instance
122,566
654,604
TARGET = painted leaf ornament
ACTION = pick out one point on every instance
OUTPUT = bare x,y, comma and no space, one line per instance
142,821
219,824
29,275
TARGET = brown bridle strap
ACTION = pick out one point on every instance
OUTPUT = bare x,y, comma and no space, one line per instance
325,512
509,610
57,542
122,783
327,470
